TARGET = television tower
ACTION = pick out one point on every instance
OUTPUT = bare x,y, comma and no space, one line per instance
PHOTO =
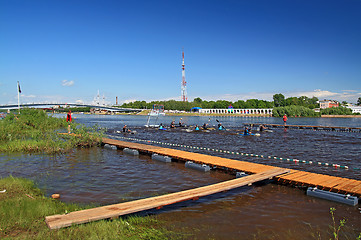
184,83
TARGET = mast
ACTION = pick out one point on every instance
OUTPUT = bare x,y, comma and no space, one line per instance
19,91
184,83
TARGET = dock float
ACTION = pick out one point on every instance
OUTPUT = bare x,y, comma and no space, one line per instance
310,127
116,210
294,177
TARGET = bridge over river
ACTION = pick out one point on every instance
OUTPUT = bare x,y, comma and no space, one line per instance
43,105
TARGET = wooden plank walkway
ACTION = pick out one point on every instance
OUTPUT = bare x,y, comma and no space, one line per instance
116,210
329,128
294,177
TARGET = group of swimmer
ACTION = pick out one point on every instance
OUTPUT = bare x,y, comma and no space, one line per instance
205,126
247,131
172,124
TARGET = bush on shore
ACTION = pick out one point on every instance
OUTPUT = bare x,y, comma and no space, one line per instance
336,111
35,131
293,111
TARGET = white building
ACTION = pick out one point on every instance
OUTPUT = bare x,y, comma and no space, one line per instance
355,109
247,111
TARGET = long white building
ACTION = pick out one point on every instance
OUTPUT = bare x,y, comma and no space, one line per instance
355,109
266,111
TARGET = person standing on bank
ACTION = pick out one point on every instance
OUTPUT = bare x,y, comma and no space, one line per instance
284,119
68,119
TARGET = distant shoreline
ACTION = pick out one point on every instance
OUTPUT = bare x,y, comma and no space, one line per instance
341,116
145,113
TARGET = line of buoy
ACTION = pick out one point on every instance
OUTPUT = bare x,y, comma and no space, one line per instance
289,160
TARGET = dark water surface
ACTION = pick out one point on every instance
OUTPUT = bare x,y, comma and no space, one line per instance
103,176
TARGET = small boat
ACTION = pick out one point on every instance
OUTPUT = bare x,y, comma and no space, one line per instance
158,110
152,126
250,134
156,113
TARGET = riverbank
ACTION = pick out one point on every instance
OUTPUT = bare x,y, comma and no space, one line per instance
23,208
35,131
183,114
341,116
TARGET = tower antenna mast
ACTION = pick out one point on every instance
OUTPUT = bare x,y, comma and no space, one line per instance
184,83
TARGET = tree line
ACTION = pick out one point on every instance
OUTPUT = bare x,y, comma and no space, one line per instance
278,101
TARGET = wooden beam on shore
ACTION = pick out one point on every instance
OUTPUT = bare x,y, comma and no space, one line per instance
116,210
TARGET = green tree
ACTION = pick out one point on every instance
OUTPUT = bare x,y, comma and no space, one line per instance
222,104
336,111
292,101
279,100
294,111
358,101
252,103
262,104
239,104
198,100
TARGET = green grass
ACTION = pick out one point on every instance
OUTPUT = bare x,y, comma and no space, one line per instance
23,208
34,131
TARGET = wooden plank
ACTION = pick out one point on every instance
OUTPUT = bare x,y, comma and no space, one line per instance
297,175
116,210
304,177
350,187
286,175
346,185
331,183
319,180
356,189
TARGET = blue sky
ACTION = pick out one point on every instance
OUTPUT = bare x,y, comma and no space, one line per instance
68,50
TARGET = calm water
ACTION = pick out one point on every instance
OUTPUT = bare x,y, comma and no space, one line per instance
103,176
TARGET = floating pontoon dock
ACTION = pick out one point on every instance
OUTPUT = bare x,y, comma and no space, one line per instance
294,177
259,172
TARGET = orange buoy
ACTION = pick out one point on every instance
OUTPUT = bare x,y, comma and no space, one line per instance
55,196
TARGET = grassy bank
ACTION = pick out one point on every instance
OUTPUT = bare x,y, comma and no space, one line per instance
23,208
34,131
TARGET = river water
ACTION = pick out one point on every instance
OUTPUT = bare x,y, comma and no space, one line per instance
271,211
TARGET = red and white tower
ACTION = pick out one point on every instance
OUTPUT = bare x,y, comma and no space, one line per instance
184,83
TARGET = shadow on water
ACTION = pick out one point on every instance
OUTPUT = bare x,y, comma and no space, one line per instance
197,203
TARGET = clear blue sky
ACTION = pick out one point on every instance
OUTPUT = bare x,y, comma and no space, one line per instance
68,50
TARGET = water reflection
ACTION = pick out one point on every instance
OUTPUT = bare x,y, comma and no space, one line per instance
104,176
